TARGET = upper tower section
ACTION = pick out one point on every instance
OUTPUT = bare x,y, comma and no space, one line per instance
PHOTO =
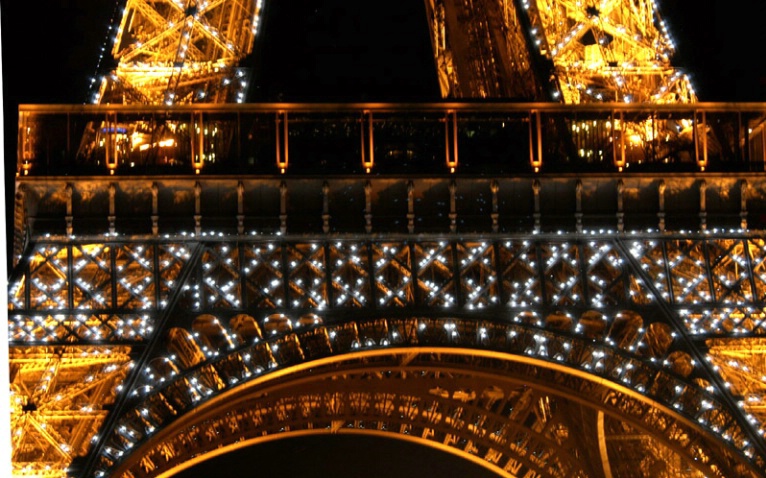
608,50
575,51
181,51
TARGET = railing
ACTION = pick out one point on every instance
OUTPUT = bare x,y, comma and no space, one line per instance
429,138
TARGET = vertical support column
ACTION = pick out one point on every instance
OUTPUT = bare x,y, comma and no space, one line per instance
198,142
410,207
450,138
114,302
536,215
368,207
20,225
618,144
620,212
452,207
240,208
661,208
763,148
743,205
535,141
155,208
329,267
700,139
578,206
282,156
368,151
326,208
24,148
197,208
493,186
112,190
283,207
703,205
110,142
455,270
69,192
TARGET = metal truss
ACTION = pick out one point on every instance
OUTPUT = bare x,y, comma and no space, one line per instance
176,51
474,405
565,50
676,321
609,50
571,354
481,50
59,396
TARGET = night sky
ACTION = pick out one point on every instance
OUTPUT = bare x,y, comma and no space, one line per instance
343,51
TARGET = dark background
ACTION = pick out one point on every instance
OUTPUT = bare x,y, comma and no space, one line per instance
336,50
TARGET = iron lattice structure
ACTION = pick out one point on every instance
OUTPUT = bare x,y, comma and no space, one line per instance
564,324
576,352
563,50
181,51
173,51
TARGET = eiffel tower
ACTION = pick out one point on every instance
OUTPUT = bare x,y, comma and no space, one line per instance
567,280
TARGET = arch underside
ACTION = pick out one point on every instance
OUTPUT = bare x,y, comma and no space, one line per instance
513,414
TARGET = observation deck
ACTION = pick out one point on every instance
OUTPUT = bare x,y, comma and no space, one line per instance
369,168
488,138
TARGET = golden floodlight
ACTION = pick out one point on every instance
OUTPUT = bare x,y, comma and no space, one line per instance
173,52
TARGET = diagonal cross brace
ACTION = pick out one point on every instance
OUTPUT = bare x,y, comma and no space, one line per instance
130,381
680,328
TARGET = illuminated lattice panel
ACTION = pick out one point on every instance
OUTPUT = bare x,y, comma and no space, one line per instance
742,365
174,51
612,50
631,451
59,397
100,279
480,50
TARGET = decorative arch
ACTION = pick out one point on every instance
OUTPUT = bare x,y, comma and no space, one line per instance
514,397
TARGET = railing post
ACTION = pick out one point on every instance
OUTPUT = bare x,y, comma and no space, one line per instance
155,208
450,139
452,207
368,207
282,156
111,218
240,208
197,208
368,151
326,207
493,186
620,212
703,205
24,148
535,141
198,142
618,146
536,214
283,207
578,205
410,207
700,139
69,192
110,142
743,204
661,207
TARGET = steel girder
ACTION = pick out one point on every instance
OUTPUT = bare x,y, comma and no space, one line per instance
655,314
